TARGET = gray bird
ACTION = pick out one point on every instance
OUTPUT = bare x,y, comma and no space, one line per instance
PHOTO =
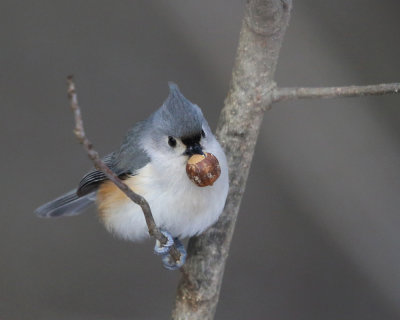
152,161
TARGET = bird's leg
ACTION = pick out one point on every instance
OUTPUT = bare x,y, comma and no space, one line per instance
169,263
163,249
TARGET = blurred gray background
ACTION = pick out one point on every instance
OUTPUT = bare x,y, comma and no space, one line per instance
317,235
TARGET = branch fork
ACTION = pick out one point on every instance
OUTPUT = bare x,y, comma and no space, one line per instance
261,36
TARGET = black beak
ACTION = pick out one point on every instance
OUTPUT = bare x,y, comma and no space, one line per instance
194,148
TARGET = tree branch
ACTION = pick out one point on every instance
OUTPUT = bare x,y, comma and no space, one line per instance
100,165
263,27
283,94
252,91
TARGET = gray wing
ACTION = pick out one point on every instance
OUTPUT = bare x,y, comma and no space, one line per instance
93,178
130,158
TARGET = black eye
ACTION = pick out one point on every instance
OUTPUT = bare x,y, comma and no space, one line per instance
203,134
171,141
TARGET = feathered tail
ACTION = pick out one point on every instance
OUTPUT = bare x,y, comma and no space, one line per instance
68,204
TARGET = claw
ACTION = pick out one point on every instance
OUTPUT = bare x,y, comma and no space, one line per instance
163,249
170,263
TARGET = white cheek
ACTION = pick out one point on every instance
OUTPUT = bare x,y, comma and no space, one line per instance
179,149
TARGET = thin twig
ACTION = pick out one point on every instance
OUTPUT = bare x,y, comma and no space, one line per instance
100,165
283,94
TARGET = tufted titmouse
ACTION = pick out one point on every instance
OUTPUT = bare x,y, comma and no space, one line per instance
152,161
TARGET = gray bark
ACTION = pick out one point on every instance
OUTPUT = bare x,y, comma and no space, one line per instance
250,93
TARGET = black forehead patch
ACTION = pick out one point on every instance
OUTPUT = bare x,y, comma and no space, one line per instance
191,140
178,116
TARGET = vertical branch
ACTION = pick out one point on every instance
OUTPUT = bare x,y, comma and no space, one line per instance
261,36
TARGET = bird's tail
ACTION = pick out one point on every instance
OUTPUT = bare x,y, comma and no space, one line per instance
68,204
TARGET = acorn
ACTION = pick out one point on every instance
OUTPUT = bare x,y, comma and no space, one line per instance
203,170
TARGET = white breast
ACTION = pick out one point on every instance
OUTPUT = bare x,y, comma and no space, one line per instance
178,205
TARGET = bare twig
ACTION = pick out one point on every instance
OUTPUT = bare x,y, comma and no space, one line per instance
100,165
283,94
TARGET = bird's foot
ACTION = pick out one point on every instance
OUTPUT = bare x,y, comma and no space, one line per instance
163,249
169,263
